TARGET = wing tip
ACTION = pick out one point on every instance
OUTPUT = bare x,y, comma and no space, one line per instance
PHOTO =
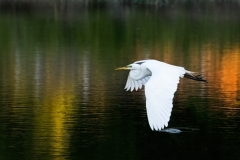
194,77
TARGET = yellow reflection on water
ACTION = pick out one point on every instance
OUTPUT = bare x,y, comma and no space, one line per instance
55,107
63,87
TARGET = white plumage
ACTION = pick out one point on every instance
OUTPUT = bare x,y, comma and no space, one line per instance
160,80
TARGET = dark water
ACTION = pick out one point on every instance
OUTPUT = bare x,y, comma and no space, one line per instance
61,98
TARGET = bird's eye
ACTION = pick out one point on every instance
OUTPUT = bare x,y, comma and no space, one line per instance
139,62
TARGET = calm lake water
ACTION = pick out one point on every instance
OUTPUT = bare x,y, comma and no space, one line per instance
61,98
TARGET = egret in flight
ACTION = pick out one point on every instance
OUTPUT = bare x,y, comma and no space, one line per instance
160,80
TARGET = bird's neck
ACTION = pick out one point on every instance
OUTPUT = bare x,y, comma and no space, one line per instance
140,74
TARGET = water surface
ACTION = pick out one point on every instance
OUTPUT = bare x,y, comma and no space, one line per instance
62,99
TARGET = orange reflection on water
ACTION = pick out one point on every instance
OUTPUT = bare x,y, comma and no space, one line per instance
229,78
220,65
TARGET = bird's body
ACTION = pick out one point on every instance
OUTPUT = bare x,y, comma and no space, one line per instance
160,80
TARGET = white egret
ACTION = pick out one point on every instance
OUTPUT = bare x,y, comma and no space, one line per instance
160,80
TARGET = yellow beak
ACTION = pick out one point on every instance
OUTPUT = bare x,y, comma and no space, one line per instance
122,68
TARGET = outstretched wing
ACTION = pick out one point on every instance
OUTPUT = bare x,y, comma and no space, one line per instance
131,83
159,92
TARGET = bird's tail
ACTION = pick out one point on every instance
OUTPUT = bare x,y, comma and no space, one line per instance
193,76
